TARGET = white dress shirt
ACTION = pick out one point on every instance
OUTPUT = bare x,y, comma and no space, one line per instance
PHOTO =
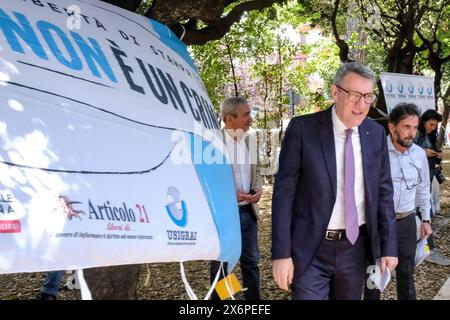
337,220
240,161
412,187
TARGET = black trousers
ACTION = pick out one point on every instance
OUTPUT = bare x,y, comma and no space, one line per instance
336,272
407,243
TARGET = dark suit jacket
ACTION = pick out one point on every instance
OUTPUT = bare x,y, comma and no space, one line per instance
305,190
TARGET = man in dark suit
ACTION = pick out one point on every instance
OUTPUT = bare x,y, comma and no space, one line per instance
332,207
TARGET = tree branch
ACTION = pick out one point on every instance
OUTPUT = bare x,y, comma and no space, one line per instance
343,46
364,12
222,26
130,5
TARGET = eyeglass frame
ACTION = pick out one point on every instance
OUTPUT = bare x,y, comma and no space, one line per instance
419,177
351,94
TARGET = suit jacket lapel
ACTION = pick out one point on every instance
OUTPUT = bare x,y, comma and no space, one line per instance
326,136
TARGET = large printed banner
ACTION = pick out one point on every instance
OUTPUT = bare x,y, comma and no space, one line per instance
110,151
409,88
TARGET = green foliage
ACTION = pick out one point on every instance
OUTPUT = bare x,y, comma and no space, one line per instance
214,69
269,60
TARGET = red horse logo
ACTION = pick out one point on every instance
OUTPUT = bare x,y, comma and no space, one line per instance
64,204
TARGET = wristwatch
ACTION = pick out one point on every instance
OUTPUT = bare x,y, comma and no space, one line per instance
426,221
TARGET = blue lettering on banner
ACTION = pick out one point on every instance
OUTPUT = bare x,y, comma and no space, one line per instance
63,46
74,63
93,53
25,31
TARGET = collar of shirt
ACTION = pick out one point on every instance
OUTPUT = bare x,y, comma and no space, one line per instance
338,125
391,147
337,220
403,175
234,135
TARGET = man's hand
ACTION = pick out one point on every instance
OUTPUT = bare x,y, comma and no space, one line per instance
255,197
283,272
425,230
241,196
390,262
250,198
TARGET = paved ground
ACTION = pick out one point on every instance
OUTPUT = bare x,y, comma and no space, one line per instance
444,292
163,281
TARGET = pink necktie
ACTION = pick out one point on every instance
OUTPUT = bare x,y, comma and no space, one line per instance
351,214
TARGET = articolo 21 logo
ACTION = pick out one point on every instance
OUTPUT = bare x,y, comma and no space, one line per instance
105,211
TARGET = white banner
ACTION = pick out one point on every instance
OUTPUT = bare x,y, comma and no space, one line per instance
409,88
105,126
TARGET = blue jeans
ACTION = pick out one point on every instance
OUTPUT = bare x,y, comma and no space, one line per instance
52,282
249,257
250,253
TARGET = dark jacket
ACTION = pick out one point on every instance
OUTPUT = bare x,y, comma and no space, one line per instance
305,190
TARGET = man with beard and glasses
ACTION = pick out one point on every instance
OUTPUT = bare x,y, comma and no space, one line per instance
410,178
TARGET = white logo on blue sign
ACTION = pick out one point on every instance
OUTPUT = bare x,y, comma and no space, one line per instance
176,208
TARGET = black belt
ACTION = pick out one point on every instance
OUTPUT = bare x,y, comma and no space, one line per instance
335,234
339,234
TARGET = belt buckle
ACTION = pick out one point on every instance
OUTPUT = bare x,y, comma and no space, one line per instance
329,232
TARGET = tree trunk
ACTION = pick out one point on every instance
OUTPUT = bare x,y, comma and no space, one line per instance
446,101
343,46
233,73
280,90
436,62
113,283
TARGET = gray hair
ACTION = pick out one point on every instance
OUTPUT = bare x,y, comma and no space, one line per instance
355,67
229,106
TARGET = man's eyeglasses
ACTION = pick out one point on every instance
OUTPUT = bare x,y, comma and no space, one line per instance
355,96
417,181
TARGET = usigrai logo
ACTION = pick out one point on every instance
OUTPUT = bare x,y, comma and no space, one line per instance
400,88
411,88
420,89
389,87
176,207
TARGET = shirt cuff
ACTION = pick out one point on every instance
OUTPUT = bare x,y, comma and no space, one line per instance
425,215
